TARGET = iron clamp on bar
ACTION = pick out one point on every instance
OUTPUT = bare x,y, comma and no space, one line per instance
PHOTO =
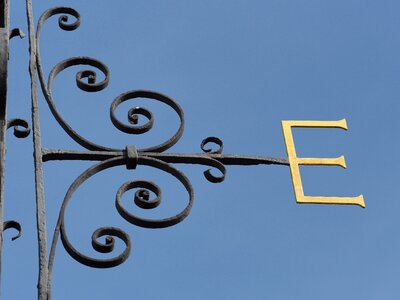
130,156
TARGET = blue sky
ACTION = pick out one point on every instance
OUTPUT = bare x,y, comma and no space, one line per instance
237,68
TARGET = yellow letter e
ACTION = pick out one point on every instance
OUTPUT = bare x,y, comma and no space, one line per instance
295,162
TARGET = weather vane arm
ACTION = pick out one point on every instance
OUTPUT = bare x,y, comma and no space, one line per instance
183,158
129,156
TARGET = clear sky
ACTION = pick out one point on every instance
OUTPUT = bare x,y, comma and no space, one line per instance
237,68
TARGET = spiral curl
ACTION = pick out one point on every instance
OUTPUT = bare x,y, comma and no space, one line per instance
86,81
14,225
213,178
213,162
111,232
90,85
63,20
133,118
135,113
21,127
143,193
215,140
142,196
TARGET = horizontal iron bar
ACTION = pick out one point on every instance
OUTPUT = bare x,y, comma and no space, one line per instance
226,159
50,154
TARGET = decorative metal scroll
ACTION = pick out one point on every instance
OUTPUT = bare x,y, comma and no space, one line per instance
147,194
131,156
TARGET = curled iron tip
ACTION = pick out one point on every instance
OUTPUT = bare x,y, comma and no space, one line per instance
15,225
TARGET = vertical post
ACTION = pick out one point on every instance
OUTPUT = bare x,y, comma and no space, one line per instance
38,161
4,40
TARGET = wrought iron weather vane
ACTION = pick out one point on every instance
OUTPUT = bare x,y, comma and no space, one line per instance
131,157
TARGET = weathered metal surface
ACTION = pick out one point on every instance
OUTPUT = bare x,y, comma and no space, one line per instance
38,163
21,127
130,156
105,157
4,44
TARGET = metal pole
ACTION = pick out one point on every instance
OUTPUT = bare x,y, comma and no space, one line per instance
4,41
38,162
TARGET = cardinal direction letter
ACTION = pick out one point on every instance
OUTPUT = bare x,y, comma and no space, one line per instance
295,162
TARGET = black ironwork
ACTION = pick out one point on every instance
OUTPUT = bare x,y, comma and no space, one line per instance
21,127
130,156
